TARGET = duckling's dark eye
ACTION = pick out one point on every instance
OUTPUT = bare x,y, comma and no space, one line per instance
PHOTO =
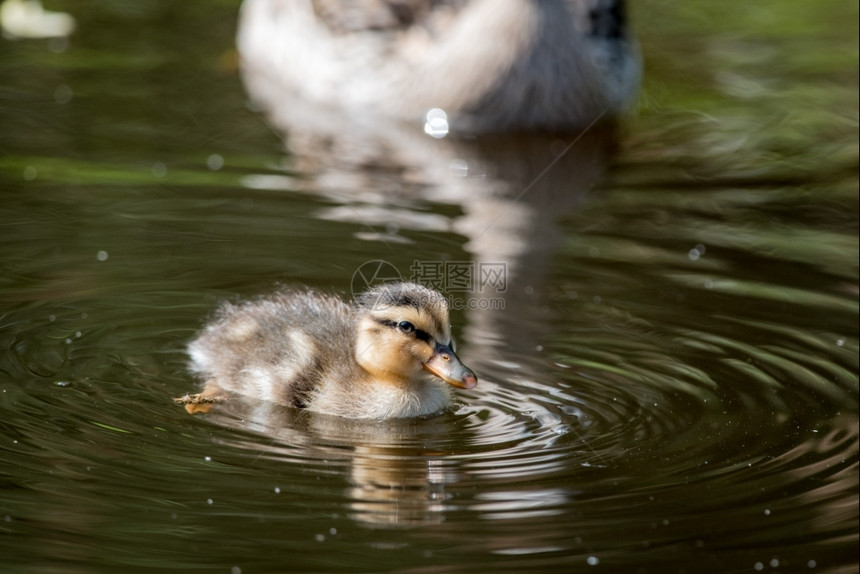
406,326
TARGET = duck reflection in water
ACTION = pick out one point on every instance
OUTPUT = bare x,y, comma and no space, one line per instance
523,91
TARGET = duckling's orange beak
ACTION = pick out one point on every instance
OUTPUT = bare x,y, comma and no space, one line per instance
447,366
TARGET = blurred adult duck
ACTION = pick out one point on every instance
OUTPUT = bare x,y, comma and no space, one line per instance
489,65
388,355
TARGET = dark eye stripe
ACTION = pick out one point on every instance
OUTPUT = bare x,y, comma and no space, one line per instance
420,334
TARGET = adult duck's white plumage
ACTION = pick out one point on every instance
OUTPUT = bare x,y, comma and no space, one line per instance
489,64
388,355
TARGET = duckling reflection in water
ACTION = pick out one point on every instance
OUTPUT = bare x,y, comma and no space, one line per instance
388,355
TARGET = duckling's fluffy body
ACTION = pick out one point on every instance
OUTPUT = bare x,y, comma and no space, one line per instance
387,355
490,64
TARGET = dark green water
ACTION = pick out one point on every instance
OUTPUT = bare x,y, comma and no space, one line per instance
668,376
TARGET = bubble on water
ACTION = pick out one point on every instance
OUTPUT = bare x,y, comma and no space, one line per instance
63,94
235,570
592,560
696,252
159,169
436,123
30,173
812,563
215,162
319,537
758,566
277,490
102,255
210,501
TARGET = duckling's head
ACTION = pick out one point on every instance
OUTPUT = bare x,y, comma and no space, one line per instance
404,334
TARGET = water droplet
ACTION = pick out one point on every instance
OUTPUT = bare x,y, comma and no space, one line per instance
215,162
63,94
159,169
30,173
593,560
277,490
209,501
436,123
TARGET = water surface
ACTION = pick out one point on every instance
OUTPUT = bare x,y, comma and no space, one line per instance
668,373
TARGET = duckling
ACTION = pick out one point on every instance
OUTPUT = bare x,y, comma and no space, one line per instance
388,355
490,65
